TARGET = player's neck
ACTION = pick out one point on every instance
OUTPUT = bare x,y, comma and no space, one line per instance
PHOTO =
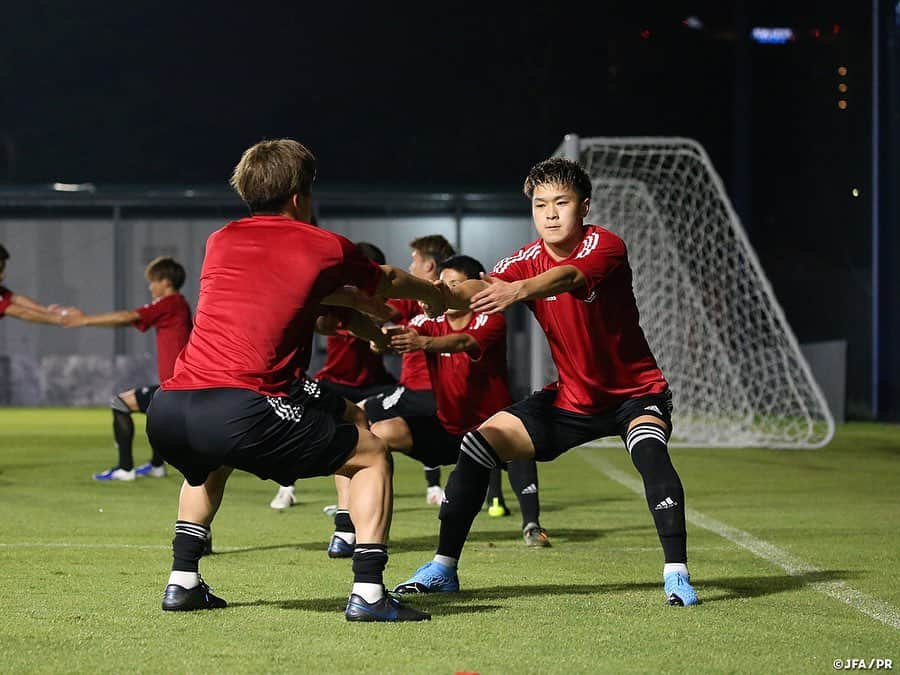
459,321
166,293
563,249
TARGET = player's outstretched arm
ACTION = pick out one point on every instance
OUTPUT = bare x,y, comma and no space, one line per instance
30,303
75,318
362,327
410,341
395,283
352,297
33,315
498,294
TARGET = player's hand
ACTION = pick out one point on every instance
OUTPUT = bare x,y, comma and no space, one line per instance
406,340
71,317
496,297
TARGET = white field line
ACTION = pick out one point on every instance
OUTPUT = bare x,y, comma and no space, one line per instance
143,547
871,607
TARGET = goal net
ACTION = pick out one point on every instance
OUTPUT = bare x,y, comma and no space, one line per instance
736,371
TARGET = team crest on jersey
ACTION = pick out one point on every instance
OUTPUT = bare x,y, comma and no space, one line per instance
593,296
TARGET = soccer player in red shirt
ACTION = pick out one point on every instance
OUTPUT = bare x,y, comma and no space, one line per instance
352,371
577,281
414,396
238,400
170,315
21,306
465,354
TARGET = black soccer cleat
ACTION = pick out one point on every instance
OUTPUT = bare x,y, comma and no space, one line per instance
179,599
385,609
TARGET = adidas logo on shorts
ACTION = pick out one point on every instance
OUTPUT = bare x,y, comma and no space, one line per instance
654,409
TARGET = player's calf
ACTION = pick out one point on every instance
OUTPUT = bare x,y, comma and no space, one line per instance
647,444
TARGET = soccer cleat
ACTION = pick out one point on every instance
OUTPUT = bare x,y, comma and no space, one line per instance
385,609
285,498
434,495
679,591
338,548
330,510
432,577
535,535
498,509
115,473
148,470
179,599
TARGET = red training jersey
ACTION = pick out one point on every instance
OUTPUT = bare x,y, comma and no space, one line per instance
170,315
5,300
413,368
594,332
350,362
468,387
261,285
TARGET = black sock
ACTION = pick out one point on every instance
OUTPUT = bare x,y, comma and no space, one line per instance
524,481
188,545
342,521
156,459
495,487
433,475
464,493
662,486
123,432
369,561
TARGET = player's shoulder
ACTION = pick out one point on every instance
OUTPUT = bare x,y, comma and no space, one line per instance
491,320
528,252
599,238
424,320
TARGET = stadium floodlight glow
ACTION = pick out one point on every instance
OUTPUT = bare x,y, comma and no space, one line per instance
693,22
710,315
855,192
74,187
772,36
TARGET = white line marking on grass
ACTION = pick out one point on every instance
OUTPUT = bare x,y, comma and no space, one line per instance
871,607
146,547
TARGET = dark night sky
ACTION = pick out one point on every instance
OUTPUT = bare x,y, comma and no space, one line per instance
459,93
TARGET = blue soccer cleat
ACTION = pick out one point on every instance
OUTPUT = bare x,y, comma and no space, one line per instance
432,577
385,609
338,548
679,591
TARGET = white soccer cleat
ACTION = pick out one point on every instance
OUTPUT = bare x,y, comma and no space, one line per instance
115,474
330,510
434,495
284,499
149,471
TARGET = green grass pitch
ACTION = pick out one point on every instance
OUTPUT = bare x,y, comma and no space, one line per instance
797,567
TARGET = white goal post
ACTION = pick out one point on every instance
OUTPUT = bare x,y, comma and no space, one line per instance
737,374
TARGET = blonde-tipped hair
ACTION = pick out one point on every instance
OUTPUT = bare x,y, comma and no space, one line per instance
271,172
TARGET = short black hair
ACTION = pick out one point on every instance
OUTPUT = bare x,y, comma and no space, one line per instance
462,263
4,254
558,171
372,252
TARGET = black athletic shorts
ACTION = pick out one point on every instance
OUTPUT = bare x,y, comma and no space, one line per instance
356,394
433,445
400,402
553,430
143,396
281,438
312,393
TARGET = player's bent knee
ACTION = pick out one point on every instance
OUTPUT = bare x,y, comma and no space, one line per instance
370,451
119,405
